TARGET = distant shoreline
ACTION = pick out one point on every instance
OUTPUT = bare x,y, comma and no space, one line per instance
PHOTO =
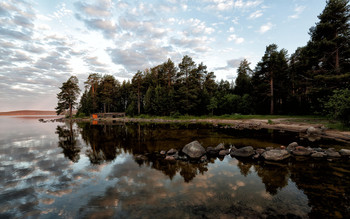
28,113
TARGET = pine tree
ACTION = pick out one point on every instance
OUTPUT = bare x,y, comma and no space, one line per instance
331,35
243,81
270,71
68,96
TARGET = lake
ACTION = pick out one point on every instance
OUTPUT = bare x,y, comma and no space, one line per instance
59,170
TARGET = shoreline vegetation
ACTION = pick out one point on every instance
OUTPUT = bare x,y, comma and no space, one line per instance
314,80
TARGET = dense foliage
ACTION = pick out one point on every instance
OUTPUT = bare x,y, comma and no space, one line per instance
68,96
299,84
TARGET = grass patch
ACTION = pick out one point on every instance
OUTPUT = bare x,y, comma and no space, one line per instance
308,119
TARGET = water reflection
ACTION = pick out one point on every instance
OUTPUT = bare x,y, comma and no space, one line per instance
114,171
67,141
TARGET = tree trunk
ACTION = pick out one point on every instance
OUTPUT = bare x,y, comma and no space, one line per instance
336,55
169,82
271,94
138,101
70,110
337,60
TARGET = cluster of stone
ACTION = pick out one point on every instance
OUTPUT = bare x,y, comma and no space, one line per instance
195,151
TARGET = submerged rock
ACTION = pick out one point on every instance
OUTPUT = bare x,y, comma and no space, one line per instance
313,131
276,155
203,158
170,158
256,156
243,152
140,157
332,153
194,150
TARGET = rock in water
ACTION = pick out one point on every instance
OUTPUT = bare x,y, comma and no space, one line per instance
344,152
220,147
171,151
292,146
301,151
313,131
332,153
194,150
276,155
170,158
318,155
243,152
224,152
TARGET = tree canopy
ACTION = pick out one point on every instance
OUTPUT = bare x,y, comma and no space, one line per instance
301,83
68,96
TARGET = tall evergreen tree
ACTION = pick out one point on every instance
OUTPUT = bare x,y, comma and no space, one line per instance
137,81
243,80
331,35
91,84
67,98
107,92
272,66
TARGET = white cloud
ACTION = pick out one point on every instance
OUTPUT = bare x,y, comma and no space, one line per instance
255,14
236,39
222,5
231,30
266,27
297,11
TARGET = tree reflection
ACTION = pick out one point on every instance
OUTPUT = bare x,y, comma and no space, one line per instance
68,142
274,176
244,167
104,141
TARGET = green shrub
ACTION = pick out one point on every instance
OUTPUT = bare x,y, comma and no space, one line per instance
338,106
80,115
175,115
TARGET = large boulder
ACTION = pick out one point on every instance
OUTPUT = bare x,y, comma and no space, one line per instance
224,152
344,152
313,131
301,151
194,150
331,152
292,146
215,151
243,152
260,151
276,155
318,155
220,147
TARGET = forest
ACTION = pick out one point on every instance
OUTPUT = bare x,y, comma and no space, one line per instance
313,80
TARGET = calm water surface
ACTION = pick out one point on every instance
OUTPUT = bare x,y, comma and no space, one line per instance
58,170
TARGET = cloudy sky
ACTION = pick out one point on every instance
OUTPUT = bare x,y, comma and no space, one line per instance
43,42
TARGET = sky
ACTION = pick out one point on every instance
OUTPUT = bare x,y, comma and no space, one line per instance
44,42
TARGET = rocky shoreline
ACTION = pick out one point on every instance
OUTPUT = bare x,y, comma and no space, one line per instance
307,130
195,152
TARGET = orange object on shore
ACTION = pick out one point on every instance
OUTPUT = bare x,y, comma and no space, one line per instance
94,116
95,122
